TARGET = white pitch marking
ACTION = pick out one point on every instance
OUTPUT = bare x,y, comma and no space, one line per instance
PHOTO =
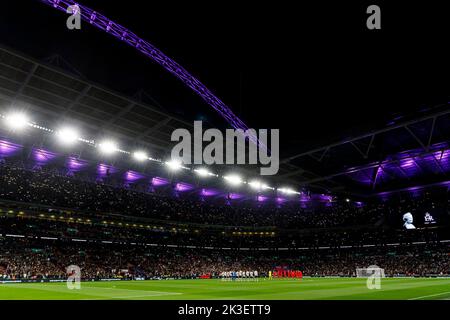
430,295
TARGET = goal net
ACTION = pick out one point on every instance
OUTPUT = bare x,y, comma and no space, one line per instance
369,271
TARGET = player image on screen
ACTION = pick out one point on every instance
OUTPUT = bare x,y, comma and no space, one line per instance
408,221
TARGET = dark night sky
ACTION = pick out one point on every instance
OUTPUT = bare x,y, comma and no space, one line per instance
313,71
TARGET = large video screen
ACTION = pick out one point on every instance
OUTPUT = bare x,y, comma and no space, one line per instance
423,218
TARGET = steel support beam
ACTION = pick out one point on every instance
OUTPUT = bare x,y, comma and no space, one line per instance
369,166
371,134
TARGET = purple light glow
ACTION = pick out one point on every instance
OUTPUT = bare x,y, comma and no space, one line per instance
386,194
406,164
280,200
133,176
8,149
75,164
181,186
104,170
323,198
158,181
43,156
262,198
415,191
209,192
304,197
235,196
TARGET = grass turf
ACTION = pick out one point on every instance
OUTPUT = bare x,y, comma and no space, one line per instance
308,288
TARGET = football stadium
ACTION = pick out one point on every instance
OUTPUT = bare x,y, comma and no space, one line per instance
94,206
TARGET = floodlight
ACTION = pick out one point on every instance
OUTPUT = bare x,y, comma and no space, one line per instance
347,200
173,165
233,179
67,135
286,190
265,186
202,172
140,155
257,185
108,147
16,121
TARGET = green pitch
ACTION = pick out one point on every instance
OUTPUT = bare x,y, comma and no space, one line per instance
308,288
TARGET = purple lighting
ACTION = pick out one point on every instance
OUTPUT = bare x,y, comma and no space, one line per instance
262,198
158,181
103,23
132,176
280,200
8,149
415,191
104,170
75,164
323,198
408,164
209,192
235,196
304,197
181,186
42,156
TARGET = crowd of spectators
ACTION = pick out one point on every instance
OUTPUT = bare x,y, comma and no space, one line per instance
53,189
187,238
96,231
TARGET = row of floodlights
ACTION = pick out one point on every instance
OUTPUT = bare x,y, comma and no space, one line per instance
68,136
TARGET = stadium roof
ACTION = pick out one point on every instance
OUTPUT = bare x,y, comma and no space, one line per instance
58,96
404,151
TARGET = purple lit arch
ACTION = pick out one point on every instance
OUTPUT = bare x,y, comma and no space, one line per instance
125,35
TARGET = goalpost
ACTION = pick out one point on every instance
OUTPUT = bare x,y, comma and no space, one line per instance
369,272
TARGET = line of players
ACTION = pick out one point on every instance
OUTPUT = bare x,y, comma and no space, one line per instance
239,275
254,275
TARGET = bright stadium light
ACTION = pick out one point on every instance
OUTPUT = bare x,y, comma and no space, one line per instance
257,185
108,147
233,179
174,165
203,172
287,191
140,155
67,135
16,120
